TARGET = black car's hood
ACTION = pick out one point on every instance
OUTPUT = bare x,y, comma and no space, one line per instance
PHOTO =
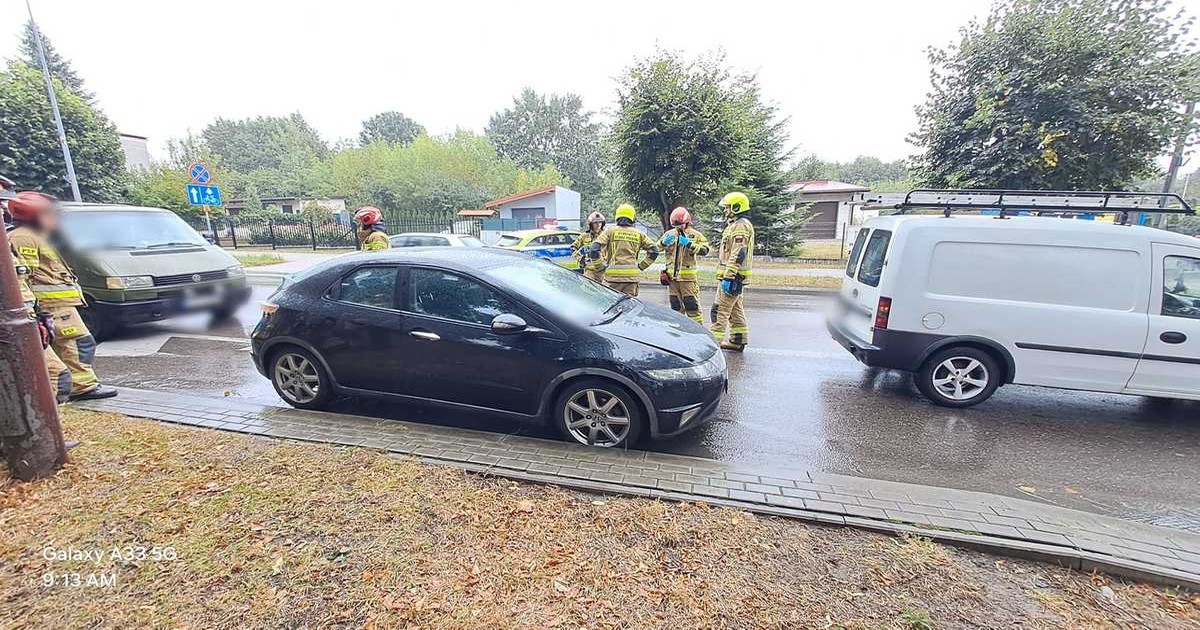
661,328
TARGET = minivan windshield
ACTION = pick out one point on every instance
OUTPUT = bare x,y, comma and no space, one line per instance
562,292
125,229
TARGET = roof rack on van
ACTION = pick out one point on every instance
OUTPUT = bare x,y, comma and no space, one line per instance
1052,202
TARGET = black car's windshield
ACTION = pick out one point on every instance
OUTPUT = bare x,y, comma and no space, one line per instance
127,230
563,292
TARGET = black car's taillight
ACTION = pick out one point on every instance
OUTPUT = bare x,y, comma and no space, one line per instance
882,312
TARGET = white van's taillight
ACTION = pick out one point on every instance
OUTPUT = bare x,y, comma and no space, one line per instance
882,312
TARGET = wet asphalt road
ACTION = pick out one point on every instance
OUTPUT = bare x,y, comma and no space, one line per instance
798,400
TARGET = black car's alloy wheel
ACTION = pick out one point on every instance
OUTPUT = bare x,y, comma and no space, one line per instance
596,412
299,379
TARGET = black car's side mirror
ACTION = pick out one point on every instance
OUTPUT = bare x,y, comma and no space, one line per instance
508,324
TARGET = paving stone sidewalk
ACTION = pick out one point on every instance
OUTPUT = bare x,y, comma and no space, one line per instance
1029,529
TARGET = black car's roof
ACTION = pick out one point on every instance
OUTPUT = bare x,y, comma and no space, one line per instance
464,257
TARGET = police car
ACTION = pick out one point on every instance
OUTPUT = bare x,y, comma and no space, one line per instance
553,245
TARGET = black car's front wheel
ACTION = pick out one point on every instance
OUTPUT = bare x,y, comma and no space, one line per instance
299,379
598,412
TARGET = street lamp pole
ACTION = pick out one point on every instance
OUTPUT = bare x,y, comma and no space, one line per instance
62,134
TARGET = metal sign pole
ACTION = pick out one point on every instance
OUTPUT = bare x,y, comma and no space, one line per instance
62,134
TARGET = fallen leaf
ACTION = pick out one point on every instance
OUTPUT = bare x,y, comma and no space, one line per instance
525,505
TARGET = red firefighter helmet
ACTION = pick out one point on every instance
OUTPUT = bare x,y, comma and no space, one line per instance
680,217
28,205
368,215
595,217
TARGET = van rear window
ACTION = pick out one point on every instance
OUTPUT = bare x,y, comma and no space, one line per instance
872,263
852,263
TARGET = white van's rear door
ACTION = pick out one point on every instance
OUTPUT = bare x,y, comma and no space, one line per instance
1170,364
860,287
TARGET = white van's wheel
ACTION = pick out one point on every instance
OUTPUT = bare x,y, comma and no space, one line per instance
959,377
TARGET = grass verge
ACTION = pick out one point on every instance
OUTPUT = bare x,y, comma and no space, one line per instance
258,260
278,534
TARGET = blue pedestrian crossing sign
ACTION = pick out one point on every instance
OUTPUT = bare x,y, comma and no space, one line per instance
200,195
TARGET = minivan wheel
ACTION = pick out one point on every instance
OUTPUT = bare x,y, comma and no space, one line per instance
101,326
598,412
959,377
299,379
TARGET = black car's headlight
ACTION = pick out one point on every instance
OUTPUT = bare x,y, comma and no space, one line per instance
714,366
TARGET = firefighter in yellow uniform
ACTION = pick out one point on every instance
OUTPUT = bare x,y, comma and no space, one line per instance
682,244
60,377
581,248
56,289
618,249
371,236
735,255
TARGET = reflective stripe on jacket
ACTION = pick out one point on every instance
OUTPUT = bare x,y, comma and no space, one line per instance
50,279
681,261
736,253
619,248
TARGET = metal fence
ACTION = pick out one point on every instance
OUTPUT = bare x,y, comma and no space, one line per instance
335,233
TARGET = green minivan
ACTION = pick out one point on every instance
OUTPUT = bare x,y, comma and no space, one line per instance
145,264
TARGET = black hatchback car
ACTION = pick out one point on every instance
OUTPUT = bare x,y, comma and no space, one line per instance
489,331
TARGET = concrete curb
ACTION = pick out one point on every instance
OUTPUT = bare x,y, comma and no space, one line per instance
267,278
1005,525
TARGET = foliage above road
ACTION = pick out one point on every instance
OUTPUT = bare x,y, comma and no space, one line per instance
538,130
431,176
392,127
864,170
689,130
275,534
1056,94
30,152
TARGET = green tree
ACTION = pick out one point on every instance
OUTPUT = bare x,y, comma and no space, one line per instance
59,67
315,211
864,170
391,127
778,226
538,130
254,205
1055,94
680,130
161,186
264,143
430,178
29,149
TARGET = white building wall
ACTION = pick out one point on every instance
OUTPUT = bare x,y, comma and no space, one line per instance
137,154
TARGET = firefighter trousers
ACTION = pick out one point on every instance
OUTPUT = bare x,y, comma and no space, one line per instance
628,288
685,298
60,376
76,347
596,275
728,312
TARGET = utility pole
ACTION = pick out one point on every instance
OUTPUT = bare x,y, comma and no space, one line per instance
1176,160
62,134
30,434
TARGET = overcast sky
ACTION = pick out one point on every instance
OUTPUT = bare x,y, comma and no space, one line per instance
847,72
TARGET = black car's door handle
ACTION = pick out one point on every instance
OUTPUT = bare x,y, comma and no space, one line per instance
1172,337
426,335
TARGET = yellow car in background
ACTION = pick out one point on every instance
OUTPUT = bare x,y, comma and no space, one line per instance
553,245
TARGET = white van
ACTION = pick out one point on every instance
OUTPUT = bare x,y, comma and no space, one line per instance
968,303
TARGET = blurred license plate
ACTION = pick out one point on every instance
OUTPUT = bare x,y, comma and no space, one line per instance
201,297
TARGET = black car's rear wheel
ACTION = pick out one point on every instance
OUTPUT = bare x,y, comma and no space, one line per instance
598,412
299,379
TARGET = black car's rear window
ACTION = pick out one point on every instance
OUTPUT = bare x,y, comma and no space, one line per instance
859,241
873,258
